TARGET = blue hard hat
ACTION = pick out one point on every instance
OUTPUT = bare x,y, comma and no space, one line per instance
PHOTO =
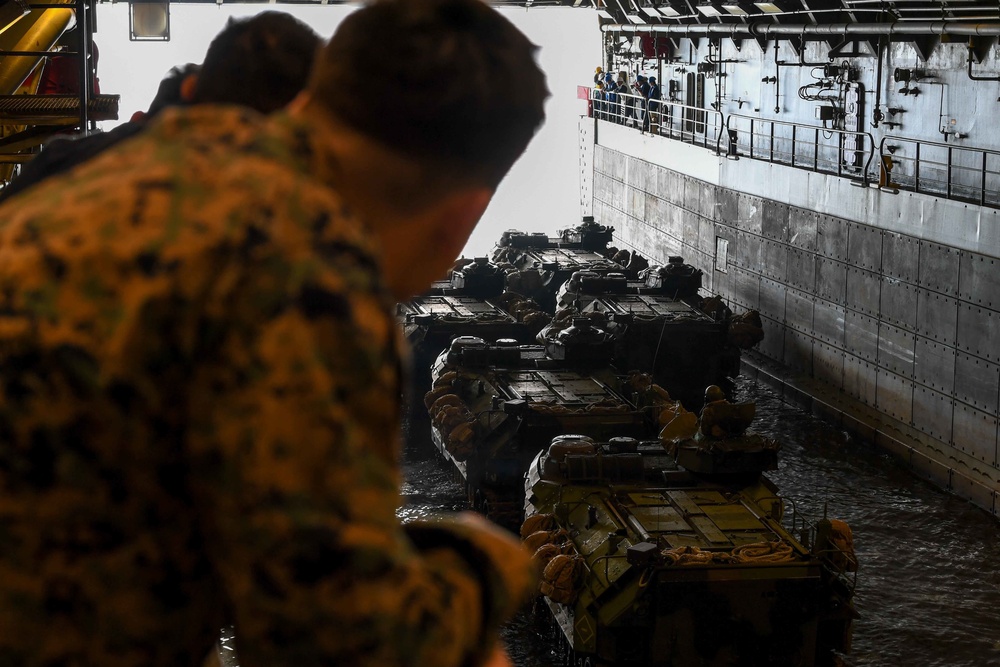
607,77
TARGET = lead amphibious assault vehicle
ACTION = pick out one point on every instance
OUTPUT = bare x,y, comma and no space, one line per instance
677,551
494,406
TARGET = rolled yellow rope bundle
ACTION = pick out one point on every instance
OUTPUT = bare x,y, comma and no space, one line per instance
763,552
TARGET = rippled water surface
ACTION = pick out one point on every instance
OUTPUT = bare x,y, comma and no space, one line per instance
929,580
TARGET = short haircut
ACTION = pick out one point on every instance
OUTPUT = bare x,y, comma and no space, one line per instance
261,62
447,82
169,91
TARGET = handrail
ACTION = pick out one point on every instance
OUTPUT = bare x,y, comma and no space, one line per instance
889,154
840,146
623,111
629,107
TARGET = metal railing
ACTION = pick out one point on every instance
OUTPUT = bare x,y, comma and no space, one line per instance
811,147
691,125
942,169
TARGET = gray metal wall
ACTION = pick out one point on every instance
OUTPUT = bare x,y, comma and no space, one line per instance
894,336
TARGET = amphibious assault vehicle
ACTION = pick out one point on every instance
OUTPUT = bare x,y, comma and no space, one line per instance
662,325
493,407
539,264
470,302
675,554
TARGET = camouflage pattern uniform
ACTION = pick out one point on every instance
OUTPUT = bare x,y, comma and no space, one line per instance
198,420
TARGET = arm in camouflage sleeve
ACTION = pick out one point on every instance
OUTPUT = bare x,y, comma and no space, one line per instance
293,445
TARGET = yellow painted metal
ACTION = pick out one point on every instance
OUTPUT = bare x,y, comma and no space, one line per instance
37,31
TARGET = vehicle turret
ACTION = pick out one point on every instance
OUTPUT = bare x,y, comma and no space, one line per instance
588,235
582,343
675,278
480,278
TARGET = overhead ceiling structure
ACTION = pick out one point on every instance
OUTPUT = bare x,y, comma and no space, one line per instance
794,12
923,23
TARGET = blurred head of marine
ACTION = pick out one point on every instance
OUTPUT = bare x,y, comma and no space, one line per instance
261,62
421,167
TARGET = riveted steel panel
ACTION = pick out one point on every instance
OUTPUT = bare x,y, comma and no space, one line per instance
977,382
616,162
730,234
831,237
628,235
696,257
859,379
828,322
979,280
692,194
973,490
934,471
802,228
863,289
706,209
934,364
932,412
602,187
638,174
648,237
861,336
937,316
975,433
831,280
896,349
799,310
602,158
828,364
749,251
898,302
598,212
654,208
895,396
600,153
747,288
655,174
668,246
690,222
617,218
636,202
618,194
979,331
726,206
864,245
666,184
900,256
775,259
749,210
797,352
938,270
774,220
706,239
772,299
722,283
774,339
667,220
801,270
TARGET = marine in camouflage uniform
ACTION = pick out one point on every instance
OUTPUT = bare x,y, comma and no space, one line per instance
199,377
